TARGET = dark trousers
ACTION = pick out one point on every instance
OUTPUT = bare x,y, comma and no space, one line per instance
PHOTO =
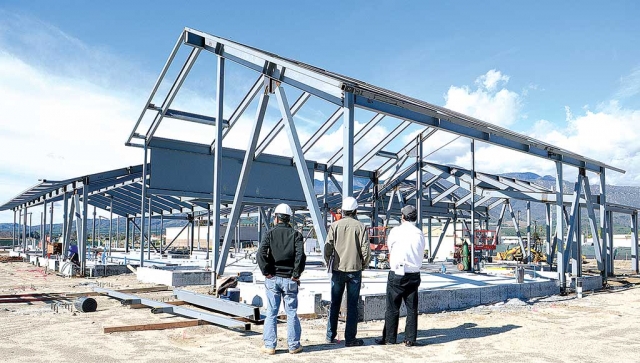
340,280
401,288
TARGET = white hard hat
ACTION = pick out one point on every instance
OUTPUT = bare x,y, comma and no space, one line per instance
283,209
349,203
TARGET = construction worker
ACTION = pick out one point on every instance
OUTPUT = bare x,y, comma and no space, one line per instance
281,259
406,246
347,253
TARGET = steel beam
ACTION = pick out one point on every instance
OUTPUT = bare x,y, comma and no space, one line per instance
243,180
301,166
280,125
213,303
604,233
473,205
158,306
175,87
217,162
517,228
441,238
322,130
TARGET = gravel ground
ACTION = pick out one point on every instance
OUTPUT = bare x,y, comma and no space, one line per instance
601,327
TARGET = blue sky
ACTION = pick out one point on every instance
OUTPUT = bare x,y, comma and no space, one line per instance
76,73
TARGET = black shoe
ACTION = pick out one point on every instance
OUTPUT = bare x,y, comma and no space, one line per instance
381,341
354,343
408,343
331,341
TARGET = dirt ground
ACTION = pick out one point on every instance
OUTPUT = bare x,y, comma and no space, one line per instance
601,327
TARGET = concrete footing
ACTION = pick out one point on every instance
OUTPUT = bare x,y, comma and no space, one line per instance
437,300
174,277
108,270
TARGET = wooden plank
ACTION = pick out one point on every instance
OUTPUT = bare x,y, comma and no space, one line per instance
132,269
155,326
134,290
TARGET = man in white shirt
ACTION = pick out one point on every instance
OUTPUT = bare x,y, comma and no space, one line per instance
406,250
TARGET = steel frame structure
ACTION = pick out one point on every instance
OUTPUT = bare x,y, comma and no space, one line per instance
438,191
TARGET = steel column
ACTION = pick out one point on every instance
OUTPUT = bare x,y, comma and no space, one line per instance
13,235
547,219
217,163
93,230
126,237
635,266
419,185
529,259
44,227
606,238
208,230
24,230
473,205
301,166
347,145
50,224
143,194
243,179
110,225
610,245
149,232
65,214
559,238
85,207
193,230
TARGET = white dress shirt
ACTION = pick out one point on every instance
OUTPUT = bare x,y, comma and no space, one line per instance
406,246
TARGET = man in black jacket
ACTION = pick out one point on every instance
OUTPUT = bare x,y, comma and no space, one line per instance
281,259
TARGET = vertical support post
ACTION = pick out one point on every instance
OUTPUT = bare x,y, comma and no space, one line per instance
50,223
13,235
44,226
209,229
472,248
199,225
65,216
419,181
529,242
603,223
347,144
547,219
30,223
117,231
93,230
260,212
430,237
325,205
24,230
217,164
161,233
149,232
142,206
110,225
126,237
635,266
560,226
41,230
85,207
193,224
301,166
610,244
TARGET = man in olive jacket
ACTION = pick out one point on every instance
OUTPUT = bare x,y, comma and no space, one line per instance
347,253
281,260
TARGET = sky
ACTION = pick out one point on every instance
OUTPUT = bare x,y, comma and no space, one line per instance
75,75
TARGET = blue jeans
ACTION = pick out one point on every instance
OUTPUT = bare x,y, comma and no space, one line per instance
277,289
352,281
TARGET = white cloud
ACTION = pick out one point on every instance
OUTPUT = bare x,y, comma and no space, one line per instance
629,84
486,102
492,79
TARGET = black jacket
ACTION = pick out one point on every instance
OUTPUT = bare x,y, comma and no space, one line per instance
281,252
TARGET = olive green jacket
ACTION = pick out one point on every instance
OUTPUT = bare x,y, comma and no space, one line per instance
348,244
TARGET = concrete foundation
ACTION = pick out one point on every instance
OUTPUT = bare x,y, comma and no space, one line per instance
53,264
438,300
33,259
174,277
589,283
108,270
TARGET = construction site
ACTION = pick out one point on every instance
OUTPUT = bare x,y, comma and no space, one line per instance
175,278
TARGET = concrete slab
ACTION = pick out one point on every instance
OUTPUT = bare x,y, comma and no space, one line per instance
33,259
174,277
108,270
53,264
